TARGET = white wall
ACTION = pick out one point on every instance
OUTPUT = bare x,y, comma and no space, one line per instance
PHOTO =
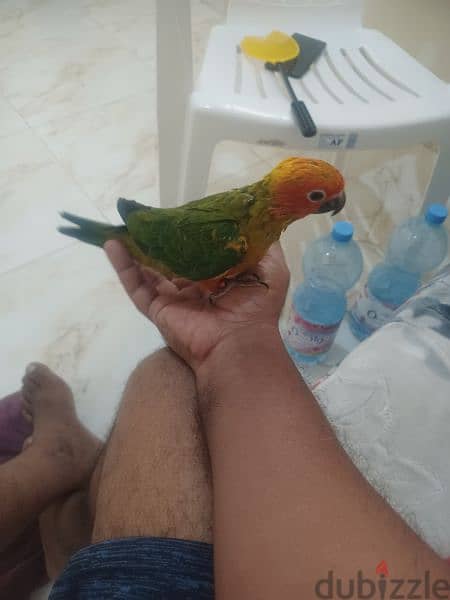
422,27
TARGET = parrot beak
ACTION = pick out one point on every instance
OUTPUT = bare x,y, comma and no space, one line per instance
335,204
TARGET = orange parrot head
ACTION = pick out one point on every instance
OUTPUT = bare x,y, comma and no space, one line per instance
301,186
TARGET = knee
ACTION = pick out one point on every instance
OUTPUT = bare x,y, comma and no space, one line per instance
164,360
166,363
165,374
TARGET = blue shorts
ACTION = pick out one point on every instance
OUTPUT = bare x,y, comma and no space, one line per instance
138,568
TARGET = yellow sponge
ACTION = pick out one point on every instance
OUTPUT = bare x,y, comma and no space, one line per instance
274,48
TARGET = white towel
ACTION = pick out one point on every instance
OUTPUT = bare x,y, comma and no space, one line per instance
389,403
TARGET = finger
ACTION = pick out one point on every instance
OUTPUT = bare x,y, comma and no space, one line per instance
155,310
188,289
276,252
118,255
275,255
142,298
124,265
167,288
130,275
182,283
192,292
150,276
273,268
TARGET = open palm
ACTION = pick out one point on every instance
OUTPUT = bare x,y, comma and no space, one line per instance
190,324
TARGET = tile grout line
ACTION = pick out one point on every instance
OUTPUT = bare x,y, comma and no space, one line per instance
64,169
78,112
50,151
57,160
94,21
14,110
48,254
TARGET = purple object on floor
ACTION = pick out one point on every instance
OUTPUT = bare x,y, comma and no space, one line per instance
22,563
14,428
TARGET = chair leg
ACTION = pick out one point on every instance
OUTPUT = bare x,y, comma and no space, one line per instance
169,170
439,186
340,160
197,151
174,59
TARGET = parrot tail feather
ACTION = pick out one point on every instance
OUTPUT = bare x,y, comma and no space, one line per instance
81,221
91,232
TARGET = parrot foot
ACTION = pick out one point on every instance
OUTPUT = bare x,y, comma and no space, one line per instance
250,279
242,280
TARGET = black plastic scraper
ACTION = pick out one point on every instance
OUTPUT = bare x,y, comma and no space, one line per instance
310,50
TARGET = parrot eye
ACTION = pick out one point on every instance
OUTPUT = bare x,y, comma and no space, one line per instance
316,195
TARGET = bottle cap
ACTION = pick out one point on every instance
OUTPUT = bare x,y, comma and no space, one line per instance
342,231
436,213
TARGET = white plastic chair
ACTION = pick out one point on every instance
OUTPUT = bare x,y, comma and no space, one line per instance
364,92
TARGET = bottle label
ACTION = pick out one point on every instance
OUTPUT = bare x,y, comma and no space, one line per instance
309,338
369,312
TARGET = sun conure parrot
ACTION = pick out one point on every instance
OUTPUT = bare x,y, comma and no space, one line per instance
220,238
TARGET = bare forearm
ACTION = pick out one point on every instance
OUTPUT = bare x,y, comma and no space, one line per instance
289,504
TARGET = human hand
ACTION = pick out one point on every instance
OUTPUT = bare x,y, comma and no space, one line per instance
191,325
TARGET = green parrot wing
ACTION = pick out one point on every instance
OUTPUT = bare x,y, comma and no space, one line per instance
199,240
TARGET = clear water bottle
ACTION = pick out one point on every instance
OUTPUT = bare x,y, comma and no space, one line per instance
331,265
417,245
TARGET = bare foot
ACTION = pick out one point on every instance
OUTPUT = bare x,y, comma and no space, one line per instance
71,450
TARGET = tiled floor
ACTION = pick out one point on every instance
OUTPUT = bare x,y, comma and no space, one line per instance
77,129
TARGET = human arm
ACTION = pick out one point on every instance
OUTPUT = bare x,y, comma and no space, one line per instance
289,505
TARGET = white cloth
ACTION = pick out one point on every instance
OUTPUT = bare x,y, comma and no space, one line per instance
389,403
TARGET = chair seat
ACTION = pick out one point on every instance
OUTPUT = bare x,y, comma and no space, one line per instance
362,88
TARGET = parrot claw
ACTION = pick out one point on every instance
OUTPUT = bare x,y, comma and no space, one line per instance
249,279
226,284
242,280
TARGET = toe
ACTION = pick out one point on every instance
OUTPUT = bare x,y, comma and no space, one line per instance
26,403
31,369
38,373
28,389
28,383
27,415
27,443
46,397
29,376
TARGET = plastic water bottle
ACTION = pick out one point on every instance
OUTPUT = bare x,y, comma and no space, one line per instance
331,265
417,245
